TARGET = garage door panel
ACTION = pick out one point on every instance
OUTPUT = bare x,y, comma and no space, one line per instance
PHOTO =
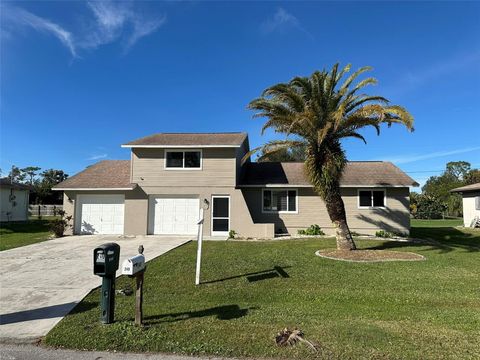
174,216
100,214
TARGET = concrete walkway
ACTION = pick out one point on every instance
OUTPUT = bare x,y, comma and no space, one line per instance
41,283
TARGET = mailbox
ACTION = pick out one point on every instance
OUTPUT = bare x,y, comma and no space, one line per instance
133,265
105,264
105,259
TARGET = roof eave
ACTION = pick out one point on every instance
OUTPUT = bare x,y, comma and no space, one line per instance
179,146
309,186
92,189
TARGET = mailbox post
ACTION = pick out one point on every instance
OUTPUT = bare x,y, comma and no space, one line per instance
135,267
105,265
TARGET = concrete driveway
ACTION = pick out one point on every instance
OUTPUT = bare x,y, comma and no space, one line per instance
41,283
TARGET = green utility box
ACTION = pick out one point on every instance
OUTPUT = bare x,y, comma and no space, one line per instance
105,264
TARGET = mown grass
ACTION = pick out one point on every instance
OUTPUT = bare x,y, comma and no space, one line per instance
396,310
16,234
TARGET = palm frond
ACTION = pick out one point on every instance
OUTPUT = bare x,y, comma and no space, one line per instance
273,147
352,77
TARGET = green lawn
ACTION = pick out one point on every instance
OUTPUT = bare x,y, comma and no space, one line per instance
17,234
396,310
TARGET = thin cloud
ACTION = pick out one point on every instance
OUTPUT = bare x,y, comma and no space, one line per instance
97,157
281,21
415,79
22,17
109,22
113,18
438,154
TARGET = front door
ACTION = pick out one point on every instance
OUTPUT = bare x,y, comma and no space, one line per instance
220,215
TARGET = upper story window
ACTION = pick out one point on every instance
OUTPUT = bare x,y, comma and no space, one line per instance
284,201
371,198
183,159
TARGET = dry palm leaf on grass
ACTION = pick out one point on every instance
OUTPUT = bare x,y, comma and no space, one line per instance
288,337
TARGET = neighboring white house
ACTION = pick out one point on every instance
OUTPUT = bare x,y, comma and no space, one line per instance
471,204
13,201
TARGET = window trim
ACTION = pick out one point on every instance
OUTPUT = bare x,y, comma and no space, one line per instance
371,198
277,211
183,168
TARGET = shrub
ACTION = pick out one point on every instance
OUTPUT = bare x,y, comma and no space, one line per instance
427,207
59,226
384,234
232,234
312,230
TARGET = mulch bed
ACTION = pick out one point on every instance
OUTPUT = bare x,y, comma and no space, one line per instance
369,255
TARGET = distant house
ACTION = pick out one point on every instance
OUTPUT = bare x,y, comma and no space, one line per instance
471,204
171,176
14,199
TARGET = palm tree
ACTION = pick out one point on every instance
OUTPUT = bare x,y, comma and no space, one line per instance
316,113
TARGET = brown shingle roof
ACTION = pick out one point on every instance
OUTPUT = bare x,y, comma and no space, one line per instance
190,139
107,174
357,173
6,183
473,187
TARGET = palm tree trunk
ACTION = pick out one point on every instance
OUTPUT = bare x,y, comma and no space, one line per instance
336,211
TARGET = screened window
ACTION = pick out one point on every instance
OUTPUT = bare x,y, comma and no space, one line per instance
183,159
477,203
371,198
279,200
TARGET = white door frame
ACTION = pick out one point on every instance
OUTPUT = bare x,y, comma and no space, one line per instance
220,233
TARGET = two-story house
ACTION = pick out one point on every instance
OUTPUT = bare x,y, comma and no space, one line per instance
169,177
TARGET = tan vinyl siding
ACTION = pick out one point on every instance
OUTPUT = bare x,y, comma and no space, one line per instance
218,169
240,219
311,210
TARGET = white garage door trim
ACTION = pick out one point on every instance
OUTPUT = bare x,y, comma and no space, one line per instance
100,214
168,215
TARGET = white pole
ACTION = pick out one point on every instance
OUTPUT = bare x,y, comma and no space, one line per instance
199,247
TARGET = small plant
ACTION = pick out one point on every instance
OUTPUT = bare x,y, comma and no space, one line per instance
311,230
59,226
384,234
232,234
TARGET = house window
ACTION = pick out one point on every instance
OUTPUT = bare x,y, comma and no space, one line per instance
280,201
371,198
183,159
477,203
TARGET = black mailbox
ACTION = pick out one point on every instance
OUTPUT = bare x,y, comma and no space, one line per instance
105,264
106,258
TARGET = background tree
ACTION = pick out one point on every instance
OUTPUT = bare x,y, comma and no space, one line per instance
316,113
16,174
473,177
43,188
30,172
455,175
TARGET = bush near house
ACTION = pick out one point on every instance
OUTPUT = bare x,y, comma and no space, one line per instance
311,230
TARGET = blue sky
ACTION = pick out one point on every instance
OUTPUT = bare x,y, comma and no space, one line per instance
80,78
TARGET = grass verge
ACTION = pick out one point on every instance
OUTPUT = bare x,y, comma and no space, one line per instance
16,234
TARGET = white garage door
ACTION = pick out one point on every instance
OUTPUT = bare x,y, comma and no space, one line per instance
173,216
100,214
